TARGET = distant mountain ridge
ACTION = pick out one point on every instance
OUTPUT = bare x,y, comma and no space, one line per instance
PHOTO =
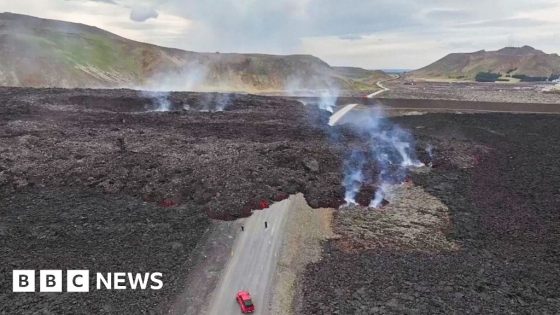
510,62
48,53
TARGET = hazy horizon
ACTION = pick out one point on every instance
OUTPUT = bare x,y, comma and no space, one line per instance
368,34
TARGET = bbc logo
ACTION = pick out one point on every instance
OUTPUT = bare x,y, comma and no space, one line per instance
50,281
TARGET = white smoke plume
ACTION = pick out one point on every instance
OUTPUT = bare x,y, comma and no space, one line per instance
325,90
215,102
327,99
380,194
430,151
390,147
191,77
353,175
143,13
160,100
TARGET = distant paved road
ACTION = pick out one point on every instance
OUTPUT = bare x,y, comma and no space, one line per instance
253,261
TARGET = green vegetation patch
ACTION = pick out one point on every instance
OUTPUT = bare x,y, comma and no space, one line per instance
487,77
90,49
526,78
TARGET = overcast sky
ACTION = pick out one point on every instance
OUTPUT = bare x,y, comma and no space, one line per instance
370,34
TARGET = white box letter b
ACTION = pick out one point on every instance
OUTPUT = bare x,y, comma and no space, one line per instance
50,281
23,281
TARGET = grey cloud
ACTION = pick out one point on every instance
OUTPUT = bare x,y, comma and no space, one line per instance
350,37
141,13
356,16
106,1
373,33
509,22
449,14
272,26
285,26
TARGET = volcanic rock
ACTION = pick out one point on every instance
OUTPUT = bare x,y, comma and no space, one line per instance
311,164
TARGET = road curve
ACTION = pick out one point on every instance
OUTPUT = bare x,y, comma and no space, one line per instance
333,120
381,86
253,261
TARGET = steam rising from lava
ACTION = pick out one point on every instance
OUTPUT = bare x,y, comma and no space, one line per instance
390,147
161,100
327,99
215,102
430,151
353,175
326,90
190,77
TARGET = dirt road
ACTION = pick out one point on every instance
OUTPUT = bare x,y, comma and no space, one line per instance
253,261
340,113
381,86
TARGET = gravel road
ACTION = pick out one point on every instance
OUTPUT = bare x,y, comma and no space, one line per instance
381,86
253,260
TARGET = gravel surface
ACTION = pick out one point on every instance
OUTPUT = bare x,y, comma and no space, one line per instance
305,231
498,252
481,92
254,260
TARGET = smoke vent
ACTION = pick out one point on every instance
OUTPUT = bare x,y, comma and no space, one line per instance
383,203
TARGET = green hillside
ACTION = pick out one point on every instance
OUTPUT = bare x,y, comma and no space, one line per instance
48,53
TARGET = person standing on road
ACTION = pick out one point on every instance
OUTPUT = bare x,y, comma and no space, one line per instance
265,224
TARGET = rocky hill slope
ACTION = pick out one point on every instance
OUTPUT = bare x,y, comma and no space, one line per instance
523,63
47,53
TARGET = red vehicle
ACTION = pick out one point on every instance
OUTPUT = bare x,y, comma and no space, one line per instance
244,300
